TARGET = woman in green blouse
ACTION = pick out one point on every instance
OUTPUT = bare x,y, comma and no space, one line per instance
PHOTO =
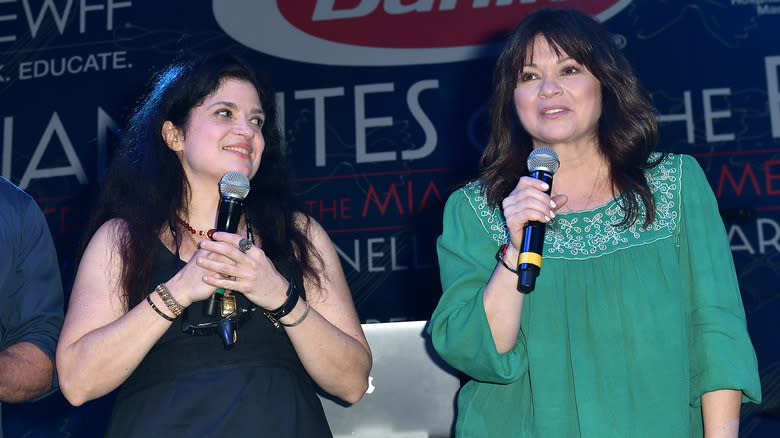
636,326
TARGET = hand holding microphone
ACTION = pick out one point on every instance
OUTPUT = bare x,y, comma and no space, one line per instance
234,187
542,164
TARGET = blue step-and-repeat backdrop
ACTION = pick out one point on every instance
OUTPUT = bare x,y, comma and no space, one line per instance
383,109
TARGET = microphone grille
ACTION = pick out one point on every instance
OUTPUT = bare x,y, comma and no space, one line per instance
234,184
543,158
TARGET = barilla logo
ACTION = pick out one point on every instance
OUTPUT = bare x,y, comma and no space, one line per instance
384,32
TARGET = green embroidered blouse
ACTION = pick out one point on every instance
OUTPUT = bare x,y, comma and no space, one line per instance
626,329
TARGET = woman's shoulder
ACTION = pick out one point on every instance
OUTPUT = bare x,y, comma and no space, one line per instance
112,227
307,224
668,161
316,234
663,172
666,171
664,179
469,204
110,233
660,162
473,192
469,197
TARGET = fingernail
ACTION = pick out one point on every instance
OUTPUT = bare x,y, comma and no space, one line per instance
545,186
552,213
554,205
546,218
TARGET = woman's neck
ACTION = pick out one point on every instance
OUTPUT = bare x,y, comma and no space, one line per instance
200,207
584,177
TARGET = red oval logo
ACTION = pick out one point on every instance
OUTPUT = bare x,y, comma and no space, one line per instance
420,24
383,32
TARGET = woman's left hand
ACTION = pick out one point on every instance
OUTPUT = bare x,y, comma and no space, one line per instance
250,272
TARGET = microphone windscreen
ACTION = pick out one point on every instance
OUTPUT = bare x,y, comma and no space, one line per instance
543,158
234,184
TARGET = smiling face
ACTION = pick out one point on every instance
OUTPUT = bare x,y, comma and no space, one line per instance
556,98
222,134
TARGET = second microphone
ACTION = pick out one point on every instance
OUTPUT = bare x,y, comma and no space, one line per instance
542,164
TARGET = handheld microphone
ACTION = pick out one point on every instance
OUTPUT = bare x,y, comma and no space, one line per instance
234,187
542,163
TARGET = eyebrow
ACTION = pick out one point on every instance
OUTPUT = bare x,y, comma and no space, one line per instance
232,105
560,61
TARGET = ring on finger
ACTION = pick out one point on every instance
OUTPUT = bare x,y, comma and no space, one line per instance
244,244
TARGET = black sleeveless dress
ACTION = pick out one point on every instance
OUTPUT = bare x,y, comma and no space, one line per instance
190,385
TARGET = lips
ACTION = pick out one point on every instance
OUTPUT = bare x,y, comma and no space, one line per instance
553,111
240,148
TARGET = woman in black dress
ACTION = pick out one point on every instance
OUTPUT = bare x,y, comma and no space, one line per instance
138,315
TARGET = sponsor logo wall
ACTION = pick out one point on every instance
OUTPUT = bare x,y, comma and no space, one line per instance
383,108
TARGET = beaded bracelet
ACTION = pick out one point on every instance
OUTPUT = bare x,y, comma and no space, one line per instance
289,304
149,300
500,257
168,299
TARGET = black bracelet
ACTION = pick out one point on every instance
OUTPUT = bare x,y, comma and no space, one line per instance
500,257
300,320
289,304
149,300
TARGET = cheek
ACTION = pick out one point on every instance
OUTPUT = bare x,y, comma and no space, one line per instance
524,106
260,144
592,91
259,148
597,104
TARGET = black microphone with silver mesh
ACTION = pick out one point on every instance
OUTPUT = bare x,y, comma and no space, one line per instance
234,186
542,163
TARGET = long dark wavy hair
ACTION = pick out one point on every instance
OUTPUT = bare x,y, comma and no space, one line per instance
146,185
627,130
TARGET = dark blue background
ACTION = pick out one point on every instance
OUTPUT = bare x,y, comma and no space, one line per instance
674,46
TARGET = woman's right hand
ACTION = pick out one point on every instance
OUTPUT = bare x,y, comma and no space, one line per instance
187,285
528,201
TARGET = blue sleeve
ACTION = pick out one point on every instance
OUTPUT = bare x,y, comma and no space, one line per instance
31,298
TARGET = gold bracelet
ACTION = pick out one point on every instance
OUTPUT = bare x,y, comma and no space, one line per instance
305,313
168,299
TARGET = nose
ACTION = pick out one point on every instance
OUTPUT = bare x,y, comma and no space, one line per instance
243,127
549,87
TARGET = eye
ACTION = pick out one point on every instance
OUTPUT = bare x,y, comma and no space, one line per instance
224,112
570,70
528,76
257,121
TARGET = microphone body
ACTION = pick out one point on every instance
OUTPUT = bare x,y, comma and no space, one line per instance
230,209
542,163
234,187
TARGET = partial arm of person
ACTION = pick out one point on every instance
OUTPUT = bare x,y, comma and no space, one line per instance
329,340
720,413
476,325
31,305
25,373
503,302
102,342
723,367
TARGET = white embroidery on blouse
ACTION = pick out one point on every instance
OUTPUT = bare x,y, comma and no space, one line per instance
592,233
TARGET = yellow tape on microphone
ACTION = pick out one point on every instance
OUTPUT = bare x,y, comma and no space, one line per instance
531,258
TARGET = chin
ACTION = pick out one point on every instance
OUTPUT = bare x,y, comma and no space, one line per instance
244,170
